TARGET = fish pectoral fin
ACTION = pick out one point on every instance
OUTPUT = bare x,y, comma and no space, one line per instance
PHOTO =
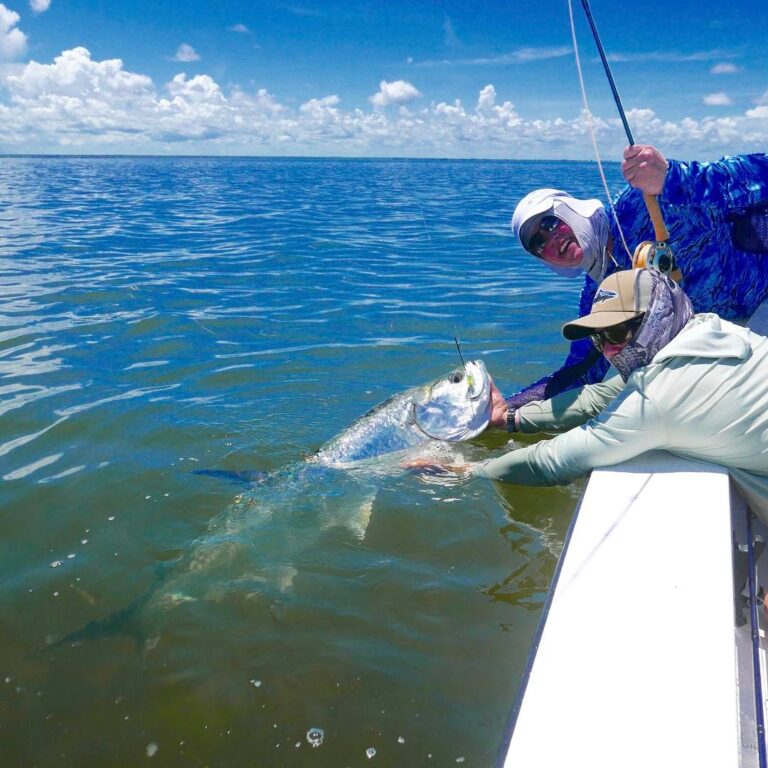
282,576
359,520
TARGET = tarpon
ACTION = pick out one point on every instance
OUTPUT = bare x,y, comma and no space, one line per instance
255,545
455,407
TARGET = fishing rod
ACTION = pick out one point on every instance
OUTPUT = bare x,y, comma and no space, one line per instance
657,254
606,66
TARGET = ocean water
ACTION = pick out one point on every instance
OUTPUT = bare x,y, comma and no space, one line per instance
160,316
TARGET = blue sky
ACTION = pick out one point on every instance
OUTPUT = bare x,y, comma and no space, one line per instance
421,79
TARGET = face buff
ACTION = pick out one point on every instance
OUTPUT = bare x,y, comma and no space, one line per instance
669,309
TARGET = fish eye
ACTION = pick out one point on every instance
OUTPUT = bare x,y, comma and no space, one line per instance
456,377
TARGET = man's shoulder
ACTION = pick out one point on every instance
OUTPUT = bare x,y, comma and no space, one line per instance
628,195
632,214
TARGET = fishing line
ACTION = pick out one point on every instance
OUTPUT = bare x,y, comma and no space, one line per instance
461,357
207,330
458,347
588,115
658,254
424,220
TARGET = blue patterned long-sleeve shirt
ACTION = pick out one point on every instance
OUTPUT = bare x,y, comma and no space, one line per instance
698,202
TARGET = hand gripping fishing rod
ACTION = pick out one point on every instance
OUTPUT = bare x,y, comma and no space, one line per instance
657,255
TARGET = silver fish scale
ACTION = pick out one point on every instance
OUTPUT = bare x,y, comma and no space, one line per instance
386,428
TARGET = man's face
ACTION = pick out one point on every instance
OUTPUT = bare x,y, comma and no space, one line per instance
611,350
610,341
555,243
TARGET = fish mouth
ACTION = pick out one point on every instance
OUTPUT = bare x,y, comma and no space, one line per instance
478,380
457,408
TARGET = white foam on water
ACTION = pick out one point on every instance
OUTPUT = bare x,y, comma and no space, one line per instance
315,736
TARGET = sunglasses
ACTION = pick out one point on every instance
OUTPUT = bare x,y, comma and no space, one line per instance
548,224
616,334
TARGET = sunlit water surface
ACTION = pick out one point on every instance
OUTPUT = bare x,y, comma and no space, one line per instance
159,316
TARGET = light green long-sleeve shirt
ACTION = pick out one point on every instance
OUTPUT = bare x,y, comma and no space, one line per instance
704,396
569,409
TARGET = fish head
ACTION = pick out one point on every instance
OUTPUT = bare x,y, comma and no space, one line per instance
457,406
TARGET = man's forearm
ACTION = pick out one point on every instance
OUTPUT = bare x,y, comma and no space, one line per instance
569,409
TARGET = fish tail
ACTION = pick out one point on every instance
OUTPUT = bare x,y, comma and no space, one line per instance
123,622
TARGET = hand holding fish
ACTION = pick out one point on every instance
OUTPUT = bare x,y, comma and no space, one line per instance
499,408
436,467
645,168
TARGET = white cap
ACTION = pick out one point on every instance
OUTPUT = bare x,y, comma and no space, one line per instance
587,219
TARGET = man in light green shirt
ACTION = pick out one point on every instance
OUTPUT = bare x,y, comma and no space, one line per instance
694,385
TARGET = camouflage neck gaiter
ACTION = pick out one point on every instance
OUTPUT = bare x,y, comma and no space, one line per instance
669,309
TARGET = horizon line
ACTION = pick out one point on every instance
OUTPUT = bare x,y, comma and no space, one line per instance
61,155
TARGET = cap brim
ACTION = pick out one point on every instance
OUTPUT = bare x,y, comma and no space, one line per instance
529,226
578,329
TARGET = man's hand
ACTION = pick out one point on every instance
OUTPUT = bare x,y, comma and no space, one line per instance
498,408
645,168
436,467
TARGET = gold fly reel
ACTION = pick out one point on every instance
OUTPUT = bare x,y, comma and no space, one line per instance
656,255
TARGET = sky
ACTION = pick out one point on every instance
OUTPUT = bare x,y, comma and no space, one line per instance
386,78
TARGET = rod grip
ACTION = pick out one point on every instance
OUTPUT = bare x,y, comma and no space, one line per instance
659,227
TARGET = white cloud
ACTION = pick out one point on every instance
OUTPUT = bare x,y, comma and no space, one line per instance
449,35
539,54
321,117
240,28
487,98
670,55
720,99
318,106
13,42
75,74
186,53
518,56
759,113
396,92
39,6
724,69
263,103
496,114
200,88
77,104
298,10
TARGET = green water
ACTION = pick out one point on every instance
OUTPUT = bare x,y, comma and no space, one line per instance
161,316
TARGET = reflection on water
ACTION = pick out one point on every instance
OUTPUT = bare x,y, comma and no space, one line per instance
161,316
